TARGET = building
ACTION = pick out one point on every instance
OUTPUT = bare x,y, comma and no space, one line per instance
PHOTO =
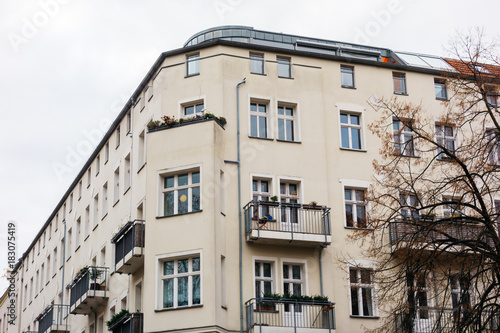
254,192
4,313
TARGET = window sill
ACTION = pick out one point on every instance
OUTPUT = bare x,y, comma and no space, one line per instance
352,149
142,167
117,201
262,74
88,185
256,137
128,188
358,228
105,162
222,214
53,276
86,237
77,248
442,99
410,156
60,267
365,317
97,174
285,77
68,259
401,93
79,198
348,87
191,75
164,217
279,140
47,283
95,227
102,218
180,308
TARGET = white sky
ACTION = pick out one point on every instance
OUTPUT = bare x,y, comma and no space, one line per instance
68,65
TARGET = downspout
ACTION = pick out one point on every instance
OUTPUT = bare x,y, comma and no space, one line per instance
320,271
239,201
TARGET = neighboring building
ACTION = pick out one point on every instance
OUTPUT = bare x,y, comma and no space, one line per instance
4,313
151,223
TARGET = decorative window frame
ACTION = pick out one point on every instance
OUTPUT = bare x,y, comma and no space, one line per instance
355,184
182,104
355,109
269,102
363,264
274,271
294,104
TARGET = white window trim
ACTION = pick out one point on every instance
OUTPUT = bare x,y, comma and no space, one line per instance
356,184
159,259
416,149
294,104
288,179
353,78
278,58
176,170
262,176
294,261
188,102
363,264
274,271
456,135
356,109
263,62
269,101
187,63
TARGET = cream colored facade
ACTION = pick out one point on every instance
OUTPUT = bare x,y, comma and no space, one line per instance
125,180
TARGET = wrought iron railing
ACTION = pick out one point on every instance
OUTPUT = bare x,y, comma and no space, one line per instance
432,320
438,231
128,323
289,313
287,217
129,237
56,315
89,280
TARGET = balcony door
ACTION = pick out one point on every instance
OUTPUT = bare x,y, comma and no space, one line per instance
293,284
289,215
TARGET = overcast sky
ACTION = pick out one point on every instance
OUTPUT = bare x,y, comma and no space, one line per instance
68,66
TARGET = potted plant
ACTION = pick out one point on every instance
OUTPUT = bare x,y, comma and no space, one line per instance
267,303
312,205
273,201
95,274
116,318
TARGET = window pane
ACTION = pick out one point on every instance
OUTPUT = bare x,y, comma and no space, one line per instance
183,179
196,178
196,289
281,129
354,119
344,131
297,289
262,108
253,107
296,272
264,186
448,131
199,108
257,268
348,194
280,110
285,271
168,293
366,276
182,291
354,301
289,112
262,127
293,189
168,268
348,215
189,110
195,205
196,264
168,204
367,302
253,126
344,118
267,269
268,287
360,215
283,67
356,138
256,64
168,182
182,202
360,195
353,275
289,130
258,292
183,266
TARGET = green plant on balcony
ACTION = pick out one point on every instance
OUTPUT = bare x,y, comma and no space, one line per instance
95,274
274,198
116,317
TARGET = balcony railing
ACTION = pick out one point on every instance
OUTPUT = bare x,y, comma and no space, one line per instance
279,222
88,289
54,319
264,314
437,232
129,247
128,323
431,320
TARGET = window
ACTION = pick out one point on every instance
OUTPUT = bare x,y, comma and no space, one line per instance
257,63
264,282
440,89
289,194
117,185
89,177
141,153
193,64
261,192
404,141
445,136
98,165
350,130
70,204
127,173
399,80
362,292
70,242
49,272
96,210
181,282
129,121
491,95
181,193
460,295
87,220
118,136
284,67
194,109
258,120
418,284
493,139
355,208
409,203
80,185
106,153
78,232
452,207
54,257
347,76
293,283
286,120
105,199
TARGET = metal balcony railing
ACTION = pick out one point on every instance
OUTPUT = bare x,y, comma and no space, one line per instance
128,238
432,320
289,313
128,323
437,231
54,317
90,280
294,218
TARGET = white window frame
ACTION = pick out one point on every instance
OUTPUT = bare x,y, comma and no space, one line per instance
160,259
347,70
357,110
442,139
359,288
494,149
267,116
257,60
294,105
449,210
350,126
402,78
458,291
294,261
262,279
185,103
355,203
406,200
442,85
401,146
176,172
192,64
284,61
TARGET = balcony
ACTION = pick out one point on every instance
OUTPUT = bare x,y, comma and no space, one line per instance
286,315
129,247
430,320
128,323
435,233
88,290
284,223
54,319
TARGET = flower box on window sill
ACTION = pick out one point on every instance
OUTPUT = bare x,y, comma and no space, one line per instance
315,207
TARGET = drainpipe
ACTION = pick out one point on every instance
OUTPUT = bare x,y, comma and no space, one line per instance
239,201
95,320
320,271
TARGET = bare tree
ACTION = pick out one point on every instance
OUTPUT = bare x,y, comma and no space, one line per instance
435,205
